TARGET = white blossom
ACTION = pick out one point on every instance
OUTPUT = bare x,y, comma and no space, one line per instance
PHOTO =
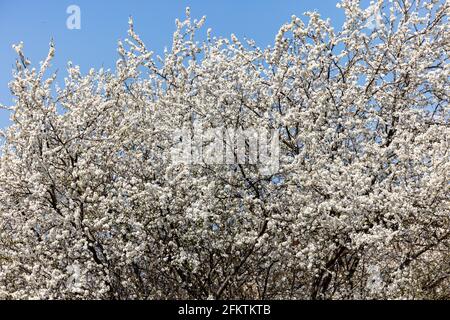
92,207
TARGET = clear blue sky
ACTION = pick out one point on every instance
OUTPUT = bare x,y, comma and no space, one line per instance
104,22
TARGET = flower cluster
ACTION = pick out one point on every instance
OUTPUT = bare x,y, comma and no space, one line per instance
92,207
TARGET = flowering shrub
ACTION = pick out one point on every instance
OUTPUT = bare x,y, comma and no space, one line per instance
93,207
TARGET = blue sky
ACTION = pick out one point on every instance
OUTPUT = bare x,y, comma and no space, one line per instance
104,22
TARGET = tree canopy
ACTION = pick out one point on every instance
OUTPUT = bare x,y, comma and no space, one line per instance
92,206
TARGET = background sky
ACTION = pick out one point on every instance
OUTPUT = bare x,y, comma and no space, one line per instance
104,22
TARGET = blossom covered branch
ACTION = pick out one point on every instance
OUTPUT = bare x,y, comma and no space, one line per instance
92,207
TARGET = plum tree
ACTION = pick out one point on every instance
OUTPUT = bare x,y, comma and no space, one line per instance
93,207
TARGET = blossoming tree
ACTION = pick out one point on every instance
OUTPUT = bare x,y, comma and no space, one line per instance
92,205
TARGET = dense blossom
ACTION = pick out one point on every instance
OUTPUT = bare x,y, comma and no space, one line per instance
91,205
